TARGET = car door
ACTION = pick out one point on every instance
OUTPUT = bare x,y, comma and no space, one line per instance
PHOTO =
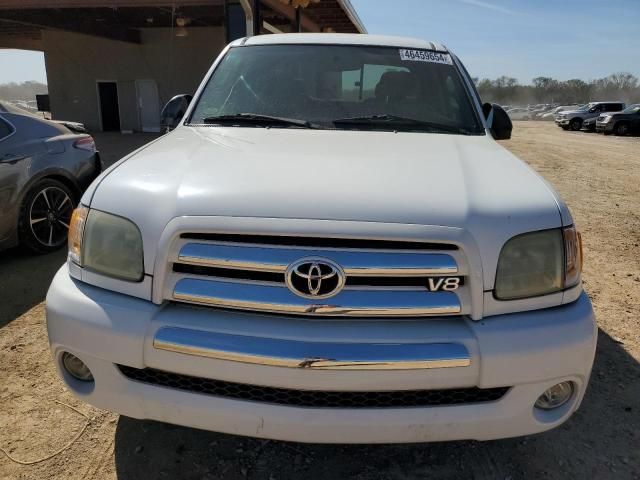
19,145
9,175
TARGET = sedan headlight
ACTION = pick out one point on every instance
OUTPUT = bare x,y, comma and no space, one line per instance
606,119
539,263
106,244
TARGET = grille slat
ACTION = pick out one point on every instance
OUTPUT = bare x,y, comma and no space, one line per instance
354,263
314,398
277,298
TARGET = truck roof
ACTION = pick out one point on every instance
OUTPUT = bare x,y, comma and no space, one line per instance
341,39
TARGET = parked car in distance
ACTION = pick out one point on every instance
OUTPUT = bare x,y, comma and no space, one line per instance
550,115
519,114
621,123
537,112
366,268
572,119
44,169
589,125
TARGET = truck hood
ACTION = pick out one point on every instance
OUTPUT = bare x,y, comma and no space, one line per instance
469,182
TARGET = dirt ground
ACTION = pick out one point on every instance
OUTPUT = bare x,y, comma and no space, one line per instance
598,176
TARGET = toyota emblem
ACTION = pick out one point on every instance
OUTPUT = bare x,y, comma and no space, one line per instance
315,278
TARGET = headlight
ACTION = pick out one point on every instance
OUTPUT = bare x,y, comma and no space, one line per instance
539,263
572,256
606,119
106,244
76,227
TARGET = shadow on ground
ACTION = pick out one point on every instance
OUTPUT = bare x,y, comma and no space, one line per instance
585,446
24,276
24,280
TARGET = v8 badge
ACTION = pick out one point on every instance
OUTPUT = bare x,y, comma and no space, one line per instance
447,284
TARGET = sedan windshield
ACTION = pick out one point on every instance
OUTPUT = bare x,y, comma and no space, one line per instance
337,87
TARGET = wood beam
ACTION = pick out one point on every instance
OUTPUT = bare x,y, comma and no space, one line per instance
113,32
19,42
48,4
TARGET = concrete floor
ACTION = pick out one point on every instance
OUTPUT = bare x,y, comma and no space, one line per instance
113,145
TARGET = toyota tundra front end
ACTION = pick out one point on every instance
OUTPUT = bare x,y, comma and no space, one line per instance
330,247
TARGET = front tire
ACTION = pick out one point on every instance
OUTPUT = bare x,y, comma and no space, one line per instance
45,216
622,129
575,124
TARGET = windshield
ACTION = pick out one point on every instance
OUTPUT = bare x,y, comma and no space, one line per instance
344,87
586,107
632,108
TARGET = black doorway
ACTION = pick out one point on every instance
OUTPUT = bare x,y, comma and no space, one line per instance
109,111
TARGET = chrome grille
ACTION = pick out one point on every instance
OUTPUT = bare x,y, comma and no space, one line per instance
382,278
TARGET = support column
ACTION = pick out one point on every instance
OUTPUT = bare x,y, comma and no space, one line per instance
257,19
298,20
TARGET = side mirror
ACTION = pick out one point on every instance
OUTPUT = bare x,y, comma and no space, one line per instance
498,121
173,111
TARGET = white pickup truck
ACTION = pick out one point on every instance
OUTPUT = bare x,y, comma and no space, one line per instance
330,247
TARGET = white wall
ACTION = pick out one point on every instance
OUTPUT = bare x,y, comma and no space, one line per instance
75,62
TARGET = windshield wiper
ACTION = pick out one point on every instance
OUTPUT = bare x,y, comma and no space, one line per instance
397,121
257,119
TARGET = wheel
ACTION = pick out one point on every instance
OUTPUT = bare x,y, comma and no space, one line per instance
622,129
45,216
575,124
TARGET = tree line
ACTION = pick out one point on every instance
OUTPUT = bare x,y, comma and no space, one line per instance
507,91
22,91
503,90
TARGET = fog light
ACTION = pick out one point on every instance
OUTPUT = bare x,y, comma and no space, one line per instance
76,367
555,396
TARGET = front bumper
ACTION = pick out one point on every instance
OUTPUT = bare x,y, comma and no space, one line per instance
562,121
528,352
604,127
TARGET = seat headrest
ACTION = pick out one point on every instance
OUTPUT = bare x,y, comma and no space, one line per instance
396,85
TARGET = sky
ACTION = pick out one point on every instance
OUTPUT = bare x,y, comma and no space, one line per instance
21,65
524,39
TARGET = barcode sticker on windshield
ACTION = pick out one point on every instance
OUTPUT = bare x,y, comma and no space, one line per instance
425,56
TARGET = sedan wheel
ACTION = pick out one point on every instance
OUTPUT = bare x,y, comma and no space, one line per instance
46,215
576,124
